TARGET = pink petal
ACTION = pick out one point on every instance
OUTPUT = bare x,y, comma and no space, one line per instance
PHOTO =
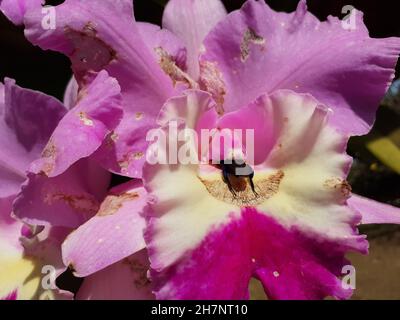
311,165
81,132
71,94
46,247
10,229
124,280
27,119
28,256
288,263
68,199
301,198
156,38
256,50
373,211
112,235
317,267
197,110
16,9
259,121
123,152
12,296
44,250
192,107
98,35
191,21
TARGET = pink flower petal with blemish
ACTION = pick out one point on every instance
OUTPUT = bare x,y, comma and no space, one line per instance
98,35
373,212
300,196
81,132
161,41
124,150
303,86
67,200
288,263
191,21
124,280
27,120
115,233
255,50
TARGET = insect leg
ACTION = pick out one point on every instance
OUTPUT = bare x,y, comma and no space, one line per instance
228,183
252,185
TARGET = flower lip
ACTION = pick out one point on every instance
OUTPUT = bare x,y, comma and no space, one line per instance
266,184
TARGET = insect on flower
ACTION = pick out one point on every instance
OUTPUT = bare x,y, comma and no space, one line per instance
234,174
285,217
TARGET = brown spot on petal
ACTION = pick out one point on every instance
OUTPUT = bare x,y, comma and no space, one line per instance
138,155
110,139
250,36
114,136
47,169
265,186
340,185
49,154
139,270
211,80
139,115
113,203
142,281
90,52
85,119
50,150
82,203
127,159
168,65
90,28
72,267
124,163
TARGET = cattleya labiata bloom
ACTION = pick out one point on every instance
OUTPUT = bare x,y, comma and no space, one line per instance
302,85
292,234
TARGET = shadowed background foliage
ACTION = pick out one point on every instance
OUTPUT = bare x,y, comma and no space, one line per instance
373,173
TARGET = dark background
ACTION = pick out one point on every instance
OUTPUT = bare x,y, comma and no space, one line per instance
378,274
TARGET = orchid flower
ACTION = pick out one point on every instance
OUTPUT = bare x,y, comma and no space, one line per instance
31,244
302,85
292,233
27,119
